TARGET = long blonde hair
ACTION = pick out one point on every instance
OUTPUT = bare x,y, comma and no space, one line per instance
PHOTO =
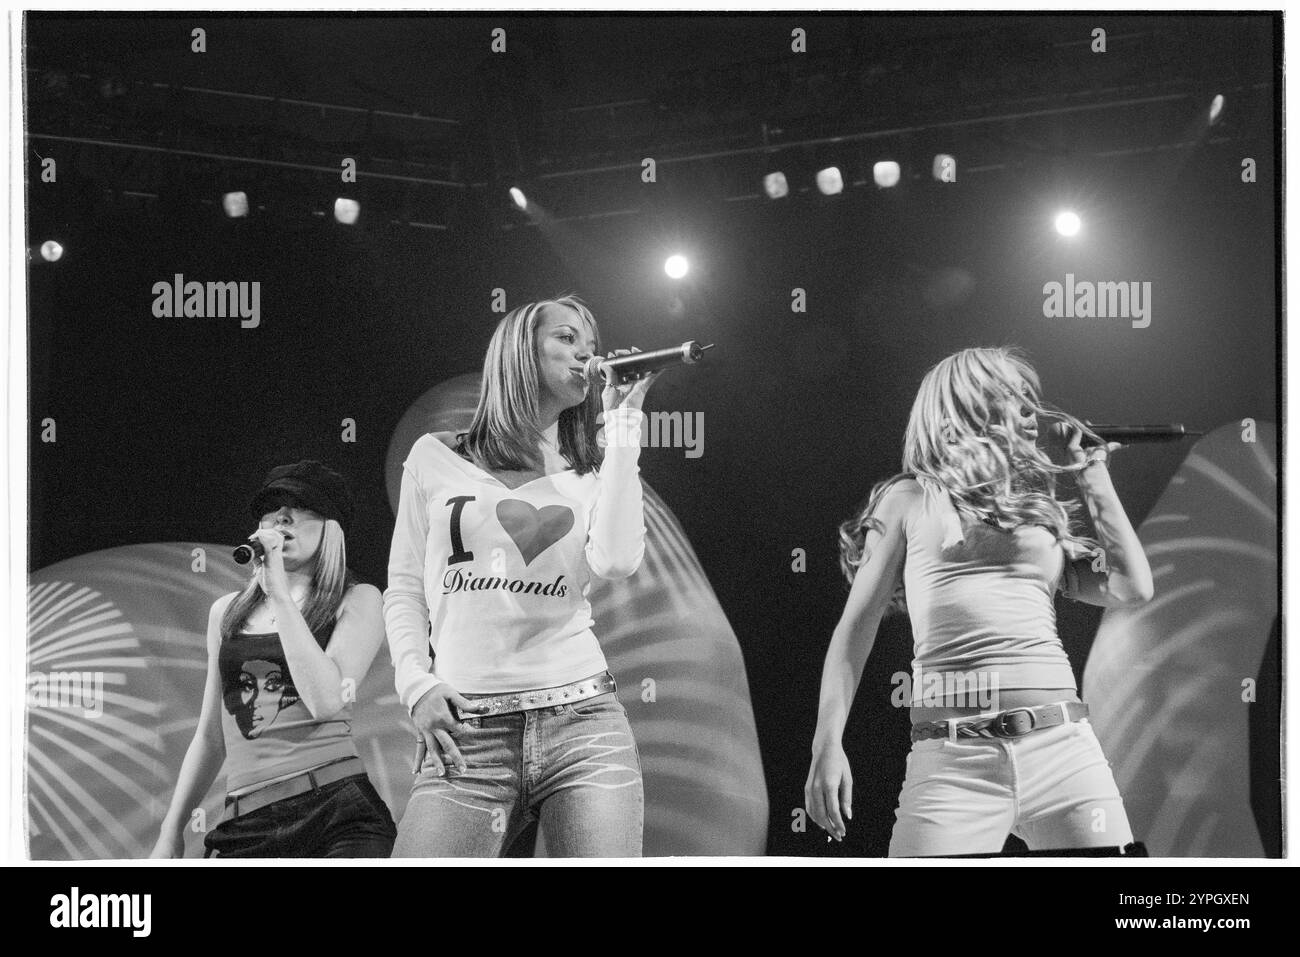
505,432
330,581
958,443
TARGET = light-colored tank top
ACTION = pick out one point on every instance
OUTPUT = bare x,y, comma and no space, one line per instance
980,599
268,730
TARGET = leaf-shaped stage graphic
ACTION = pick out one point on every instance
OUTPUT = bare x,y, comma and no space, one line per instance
1164,681
98,783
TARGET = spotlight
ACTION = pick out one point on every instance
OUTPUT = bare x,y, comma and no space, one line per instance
829,181
51,251
346,211
235,204
1068,223
886,173
1216,108
945,168
676,266
518,196
775,185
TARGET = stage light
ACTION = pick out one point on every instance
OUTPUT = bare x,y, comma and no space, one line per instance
1216,108
945,168
235,204
51,251
346,211
676,267
1068,223
775,185
518,196
886,173
829,181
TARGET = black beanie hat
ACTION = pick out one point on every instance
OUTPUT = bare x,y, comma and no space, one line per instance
309,485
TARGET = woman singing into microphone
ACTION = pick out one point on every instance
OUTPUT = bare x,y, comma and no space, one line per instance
285,656
972,538
496,544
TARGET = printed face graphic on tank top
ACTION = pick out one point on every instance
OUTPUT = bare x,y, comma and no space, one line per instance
494,545
255,684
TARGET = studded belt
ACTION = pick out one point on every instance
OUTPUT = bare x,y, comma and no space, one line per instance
1012,723
496,704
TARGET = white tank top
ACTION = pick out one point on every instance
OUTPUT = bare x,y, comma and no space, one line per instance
980,598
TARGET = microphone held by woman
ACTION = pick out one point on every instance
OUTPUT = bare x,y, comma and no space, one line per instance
626,368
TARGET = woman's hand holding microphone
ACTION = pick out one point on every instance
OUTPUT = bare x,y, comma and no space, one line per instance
1064,441
269,566
628,395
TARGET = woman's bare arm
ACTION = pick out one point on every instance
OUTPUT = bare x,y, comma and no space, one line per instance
1120,574
829,790
207,750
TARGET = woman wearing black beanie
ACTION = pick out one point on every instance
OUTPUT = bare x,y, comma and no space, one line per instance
285,656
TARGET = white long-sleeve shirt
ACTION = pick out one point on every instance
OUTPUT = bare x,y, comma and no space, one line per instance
502,574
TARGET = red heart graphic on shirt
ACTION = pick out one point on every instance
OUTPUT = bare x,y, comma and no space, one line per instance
533,530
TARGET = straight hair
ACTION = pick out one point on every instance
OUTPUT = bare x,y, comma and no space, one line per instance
330,581
505,431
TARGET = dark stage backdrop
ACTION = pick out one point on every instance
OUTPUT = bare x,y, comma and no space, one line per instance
165,425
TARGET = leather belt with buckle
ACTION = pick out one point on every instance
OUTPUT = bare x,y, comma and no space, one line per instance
540,698
237,805
1012,723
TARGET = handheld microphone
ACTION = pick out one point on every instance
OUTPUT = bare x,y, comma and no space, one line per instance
1128,434
622,369
246,552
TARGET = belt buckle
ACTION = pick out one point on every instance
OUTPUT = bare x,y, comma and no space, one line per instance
1010,724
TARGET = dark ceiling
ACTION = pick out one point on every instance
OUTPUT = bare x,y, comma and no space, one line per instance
434,117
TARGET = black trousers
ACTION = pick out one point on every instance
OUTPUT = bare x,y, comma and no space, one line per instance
346,818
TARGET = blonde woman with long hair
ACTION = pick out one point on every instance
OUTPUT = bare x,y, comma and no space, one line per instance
285,656
972,542
500,531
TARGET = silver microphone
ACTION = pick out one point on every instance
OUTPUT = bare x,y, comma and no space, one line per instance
246,552
622,369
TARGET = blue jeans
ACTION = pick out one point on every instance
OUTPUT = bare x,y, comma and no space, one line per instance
574,768
346,818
